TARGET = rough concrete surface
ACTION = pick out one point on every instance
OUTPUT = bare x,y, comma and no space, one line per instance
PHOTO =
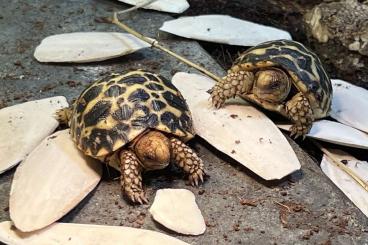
239,208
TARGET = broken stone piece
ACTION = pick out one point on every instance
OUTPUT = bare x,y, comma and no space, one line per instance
238,129
343,21
87,46
223,29
336,133
170,6
24,126
50,182
76,234
355,192
350,104
177,210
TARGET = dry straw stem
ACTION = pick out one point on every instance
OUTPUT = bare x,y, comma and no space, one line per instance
140,5
156,44
343,167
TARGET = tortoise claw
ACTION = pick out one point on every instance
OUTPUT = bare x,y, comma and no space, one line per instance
138,197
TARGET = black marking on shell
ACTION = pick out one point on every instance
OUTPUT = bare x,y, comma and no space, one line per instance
176,101
98,112
170,120
115,91
142,107
121,130
151,77
109,79
155,86
140,122
92,93
133,79
105,138
186,122
155,95
285,62
138,95
158,105
81,105
123,113
152,120
168,83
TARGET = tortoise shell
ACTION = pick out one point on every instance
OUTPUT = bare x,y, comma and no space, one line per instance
303,66
114,110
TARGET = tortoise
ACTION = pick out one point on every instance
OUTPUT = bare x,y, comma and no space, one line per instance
136,121
282,76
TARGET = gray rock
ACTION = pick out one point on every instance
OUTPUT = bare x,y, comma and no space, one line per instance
344,21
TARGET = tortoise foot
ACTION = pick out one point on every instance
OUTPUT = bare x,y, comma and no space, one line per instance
300,112
131,178
188,160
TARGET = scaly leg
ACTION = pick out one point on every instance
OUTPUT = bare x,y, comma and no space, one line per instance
63,115
300,112
235,83
131,178
188,160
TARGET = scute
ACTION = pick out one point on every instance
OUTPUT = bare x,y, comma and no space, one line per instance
303,65
116,109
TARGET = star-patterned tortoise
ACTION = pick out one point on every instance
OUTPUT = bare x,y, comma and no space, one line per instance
282,76
138,121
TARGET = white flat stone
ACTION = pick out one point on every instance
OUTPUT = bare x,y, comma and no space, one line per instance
355,192
51,181
238,130
337,133
77,234
87,46
350,104
23,126
171,6
177,210
223,29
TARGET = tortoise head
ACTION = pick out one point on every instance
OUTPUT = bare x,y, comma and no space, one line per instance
272,85
153,150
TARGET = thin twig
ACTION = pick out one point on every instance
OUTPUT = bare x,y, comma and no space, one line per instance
283,205
156,44
342,166
141,5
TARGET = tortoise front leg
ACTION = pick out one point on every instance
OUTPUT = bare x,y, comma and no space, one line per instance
131,178
300,112
234,83
187,160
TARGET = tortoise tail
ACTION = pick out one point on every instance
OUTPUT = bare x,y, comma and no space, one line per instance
63,115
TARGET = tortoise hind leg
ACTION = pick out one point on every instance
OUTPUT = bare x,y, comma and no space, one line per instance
131,178
187,160
63,115
300,112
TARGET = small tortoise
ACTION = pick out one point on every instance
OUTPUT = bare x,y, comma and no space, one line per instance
137,121
265,74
